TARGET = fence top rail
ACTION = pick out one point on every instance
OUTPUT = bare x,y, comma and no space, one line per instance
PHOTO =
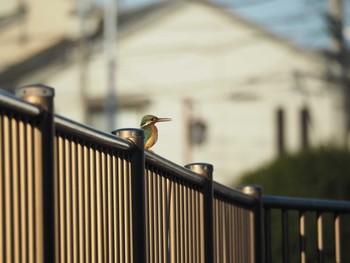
306,204
13,103
233,194
174,169
87,133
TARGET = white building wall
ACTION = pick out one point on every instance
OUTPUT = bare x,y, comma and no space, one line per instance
234,76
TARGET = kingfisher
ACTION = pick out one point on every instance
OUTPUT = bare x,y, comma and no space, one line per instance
151,132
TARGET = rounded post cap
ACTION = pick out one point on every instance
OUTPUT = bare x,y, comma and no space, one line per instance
253,190
204,169
129,133
134,135
39,90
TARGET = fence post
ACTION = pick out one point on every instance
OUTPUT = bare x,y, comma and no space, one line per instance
137,160
206,170
42,96
256,222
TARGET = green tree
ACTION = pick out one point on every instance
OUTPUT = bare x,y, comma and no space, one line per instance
317,173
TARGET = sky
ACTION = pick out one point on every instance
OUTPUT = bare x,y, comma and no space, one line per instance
300,21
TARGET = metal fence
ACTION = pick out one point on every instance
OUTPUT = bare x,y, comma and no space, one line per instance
92,196
69,193
307,230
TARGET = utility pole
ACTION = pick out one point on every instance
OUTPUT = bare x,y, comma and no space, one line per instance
110,37
23,10
83,7
339,55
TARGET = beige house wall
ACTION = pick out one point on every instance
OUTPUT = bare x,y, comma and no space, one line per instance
196,61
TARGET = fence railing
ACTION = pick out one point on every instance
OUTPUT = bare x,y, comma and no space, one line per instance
69,193
311,228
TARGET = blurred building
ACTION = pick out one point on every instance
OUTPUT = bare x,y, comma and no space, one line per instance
238,95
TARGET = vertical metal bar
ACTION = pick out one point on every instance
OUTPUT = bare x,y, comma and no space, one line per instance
242,239
15,190
121,209
170,223
206,170
68,200
81,208
216,230
104,206
61,197
221,221
31,190
8,190
255,222
246,219
2,193
147,208
201,228
268,247
228,232
173,224
302,236
23,193
232,233
320,242
178,223
125,228
198,229
115,207
150,216
285,236
93,216
75,208
57,203
116,213
110,205
155,216
192,225
137,160
163,204
337,239
163,238
127,205
160,216
165,218
181,224
227,225
99,211
43,97
38,198
236,241
240,235
186,244
87,203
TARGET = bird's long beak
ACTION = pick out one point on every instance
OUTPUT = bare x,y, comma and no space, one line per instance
163,119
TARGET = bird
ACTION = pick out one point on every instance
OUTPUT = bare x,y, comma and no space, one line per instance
151,132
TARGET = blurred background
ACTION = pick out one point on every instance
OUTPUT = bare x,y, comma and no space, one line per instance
244,81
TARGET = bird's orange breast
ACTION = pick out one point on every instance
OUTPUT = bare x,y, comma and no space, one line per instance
153,138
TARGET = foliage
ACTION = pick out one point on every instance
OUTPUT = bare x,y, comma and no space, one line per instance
317,173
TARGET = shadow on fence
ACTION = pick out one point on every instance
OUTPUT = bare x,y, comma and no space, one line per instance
69,193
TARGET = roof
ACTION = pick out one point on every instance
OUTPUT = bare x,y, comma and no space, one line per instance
53,42
40,34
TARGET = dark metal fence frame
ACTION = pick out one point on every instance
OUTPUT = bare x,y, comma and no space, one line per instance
230,225
318,207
